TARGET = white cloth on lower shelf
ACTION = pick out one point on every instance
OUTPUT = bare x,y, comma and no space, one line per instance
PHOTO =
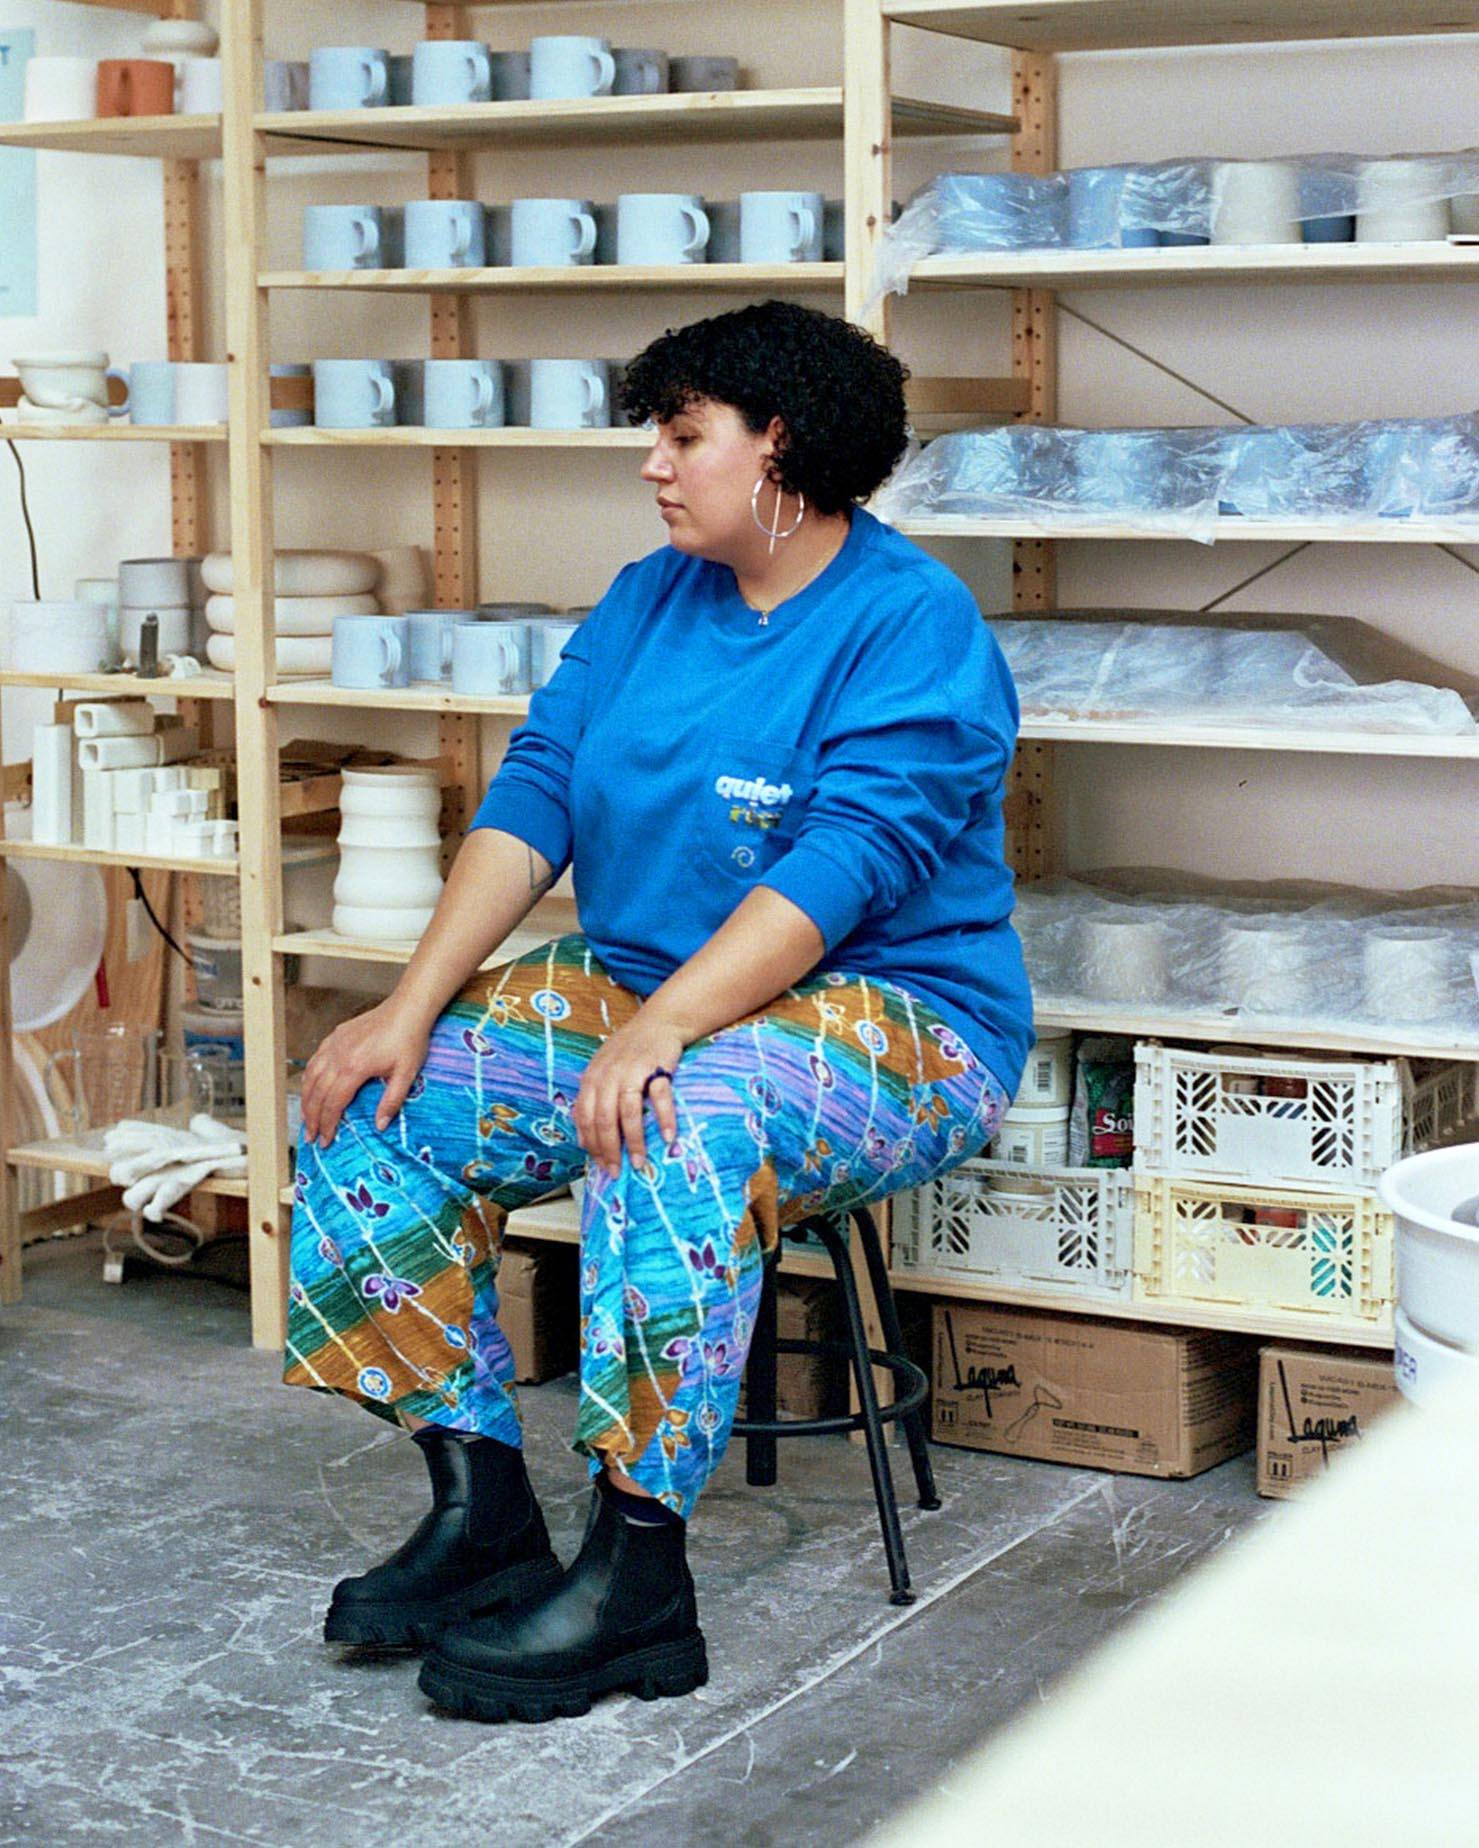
157,1164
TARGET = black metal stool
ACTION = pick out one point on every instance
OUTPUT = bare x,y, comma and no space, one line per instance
762,1427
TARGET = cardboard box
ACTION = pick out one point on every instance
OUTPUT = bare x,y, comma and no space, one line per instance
539,1308
1102,1395
807,1385
1313,1403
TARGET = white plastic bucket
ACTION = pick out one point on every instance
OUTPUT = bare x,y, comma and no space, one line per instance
1047,1077
1425,1365
1033,1136
1435,1197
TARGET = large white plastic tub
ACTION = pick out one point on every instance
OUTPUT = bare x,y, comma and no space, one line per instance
1424,1365
1435,1199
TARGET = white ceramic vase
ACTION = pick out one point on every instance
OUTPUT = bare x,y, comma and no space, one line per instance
390,875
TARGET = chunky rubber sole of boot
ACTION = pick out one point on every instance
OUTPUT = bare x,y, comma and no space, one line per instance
397,1624
651,1674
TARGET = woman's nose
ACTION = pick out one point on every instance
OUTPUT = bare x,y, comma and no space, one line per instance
657,467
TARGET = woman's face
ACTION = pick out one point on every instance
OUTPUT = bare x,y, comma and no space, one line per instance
704,464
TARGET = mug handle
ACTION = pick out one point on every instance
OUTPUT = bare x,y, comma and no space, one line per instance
806,230
367,234
482,396
605,72
595,392
384,393
586,242
461,236
699,219
390,644
480,68
447,628
378,75
117,372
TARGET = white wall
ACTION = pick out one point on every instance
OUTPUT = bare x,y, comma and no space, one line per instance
558,526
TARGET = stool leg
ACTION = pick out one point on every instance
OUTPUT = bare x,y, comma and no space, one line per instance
893,1340
883,1481
760,1388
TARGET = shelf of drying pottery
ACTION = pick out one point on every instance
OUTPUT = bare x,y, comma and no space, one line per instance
735,115
1216,263
585,278
166,137
419,698
97,856
1104,25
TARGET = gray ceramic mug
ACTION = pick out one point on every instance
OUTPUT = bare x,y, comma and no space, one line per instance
703,73
640,71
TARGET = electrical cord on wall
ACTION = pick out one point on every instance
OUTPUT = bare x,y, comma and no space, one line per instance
26,516
153,917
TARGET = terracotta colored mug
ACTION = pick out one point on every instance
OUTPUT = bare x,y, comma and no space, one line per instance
135,87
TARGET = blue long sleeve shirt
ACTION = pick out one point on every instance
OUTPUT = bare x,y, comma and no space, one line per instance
850,754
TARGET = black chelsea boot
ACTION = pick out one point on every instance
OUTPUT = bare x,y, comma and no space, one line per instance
623,1617
483,1545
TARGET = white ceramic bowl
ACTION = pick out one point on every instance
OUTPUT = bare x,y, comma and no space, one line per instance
296,654
1425,1365
1435,1197
302,573
292,615
381,923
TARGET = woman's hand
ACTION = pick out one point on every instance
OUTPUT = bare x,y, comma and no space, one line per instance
388,1042
610,1104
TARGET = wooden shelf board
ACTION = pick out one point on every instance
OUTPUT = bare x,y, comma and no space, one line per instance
417,436
207,685
736,115
63,1155
1211,263
1179,734
585,278
424,698
1101,25
1243,1319
94,856
1138,1023
1225,528
559,920
111,432
166,137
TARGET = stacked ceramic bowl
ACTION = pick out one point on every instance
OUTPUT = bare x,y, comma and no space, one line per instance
310,590
1435,1198
390,874
172,591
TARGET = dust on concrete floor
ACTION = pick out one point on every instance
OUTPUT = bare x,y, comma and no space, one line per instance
173,1519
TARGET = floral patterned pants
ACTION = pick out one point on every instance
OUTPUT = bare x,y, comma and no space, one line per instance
839,1092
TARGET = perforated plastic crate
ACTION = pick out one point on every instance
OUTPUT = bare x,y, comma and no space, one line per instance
1074,1239
1339,1122
1320,1252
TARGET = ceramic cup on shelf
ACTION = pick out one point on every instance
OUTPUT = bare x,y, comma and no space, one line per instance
570,65
693,74
341,237
198,87
353,394
551,233
510,76
135,87
640,71
146,581
1396,203
450,71
61,635
285,84
60,89
1409,970
431,642
371,651
1256,202
781,227
569,394
660,228
68,380
202,392
1265,964
1124,956
444,234
487,659
463,394
348,77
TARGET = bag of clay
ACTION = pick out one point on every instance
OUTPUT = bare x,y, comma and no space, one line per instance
1101,1125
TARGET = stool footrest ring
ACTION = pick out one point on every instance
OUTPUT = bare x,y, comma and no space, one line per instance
913,1390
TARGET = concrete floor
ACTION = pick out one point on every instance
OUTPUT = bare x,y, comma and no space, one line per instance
173,1518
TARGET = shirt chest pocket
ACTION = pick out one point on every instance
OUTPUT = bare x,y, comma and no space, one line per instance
751,803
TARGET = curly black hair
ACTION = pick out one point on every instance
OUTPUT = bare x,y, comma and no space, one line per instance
838,392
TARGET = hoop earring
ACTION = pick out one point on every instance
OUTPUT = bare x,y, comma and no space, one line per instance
774,528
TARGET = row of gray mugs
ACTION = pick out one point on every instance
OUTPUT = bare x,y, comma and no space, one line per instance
441,72
656,228
466,394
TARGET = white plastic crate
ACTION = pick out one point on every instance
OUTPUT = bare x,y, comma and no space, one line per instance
1076,1239
1338,1122
1316,1251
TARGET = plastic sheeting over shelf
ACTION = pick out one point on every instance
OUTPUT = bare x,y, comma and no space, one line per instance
1164,944
1266,671
1184,200
1178,481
